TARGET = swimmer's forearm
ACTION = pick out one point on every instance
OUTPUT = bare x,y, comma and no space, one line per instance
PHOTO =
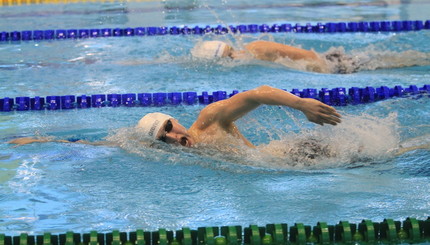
29,140
228,111
314,110
272,96
94,143
403,150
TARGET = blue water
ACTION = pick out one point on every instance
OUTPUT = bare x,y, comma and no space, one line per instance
59,187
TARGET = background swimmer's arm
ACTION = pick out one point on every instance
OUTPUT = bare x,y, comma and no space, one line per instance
29,140
272,51
227,111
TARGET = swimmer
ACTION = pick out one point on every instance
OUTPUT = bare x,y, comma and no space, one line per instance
335,60
218,119
261,50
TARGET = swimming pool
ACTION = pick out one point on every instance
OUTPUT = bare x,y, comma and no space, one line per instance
60,187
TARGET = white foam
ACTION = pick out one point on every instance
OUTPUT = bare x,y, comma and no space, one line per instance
373,58
360,138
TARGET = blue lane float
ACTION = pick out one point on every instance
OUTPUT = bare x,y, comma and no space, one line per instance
330,27
334,97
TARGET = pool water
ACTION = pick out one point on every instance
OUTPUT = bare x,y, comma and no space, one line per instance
60,187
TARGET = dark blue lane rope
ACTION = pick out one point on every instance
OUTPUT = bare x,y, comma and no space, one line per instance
330,27
335,97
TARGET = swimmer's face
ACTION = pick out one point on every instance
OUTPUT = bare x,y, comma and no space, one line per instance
233,54
228,52
174,133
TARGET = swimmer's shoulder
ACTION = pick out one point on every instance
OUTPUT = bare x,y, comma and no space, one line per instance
262,45
263,50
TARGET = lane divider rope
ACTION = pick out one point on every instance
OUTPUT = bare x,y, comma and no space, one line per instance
331,27
336,97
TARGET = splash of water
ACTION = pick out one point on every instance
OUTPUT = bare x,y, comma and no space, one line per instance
358,139
372,58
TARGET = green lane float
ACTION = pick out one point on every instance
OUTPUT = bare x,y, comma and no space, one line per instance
388,231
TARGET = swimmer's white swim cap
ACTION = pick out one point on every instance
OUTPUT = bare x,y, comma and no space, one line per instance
151,123
209,49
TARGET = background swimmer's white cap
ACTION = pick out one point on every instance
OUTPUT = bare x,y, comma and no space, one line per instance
151,123
209,49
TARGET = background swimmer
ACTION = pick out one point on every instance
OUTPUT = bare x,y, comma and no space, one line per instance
335,60
262,50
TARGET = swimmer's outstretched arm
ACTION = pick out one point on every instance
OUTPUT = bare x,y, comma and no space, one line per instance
227,111
29,140
271,51
403,150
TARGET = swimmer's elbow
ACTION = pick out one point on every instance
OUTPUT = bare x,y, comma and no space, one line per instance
263,88
263,94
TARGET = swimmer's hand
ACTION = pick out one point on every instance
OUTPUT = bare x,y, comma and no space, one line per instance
318,112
